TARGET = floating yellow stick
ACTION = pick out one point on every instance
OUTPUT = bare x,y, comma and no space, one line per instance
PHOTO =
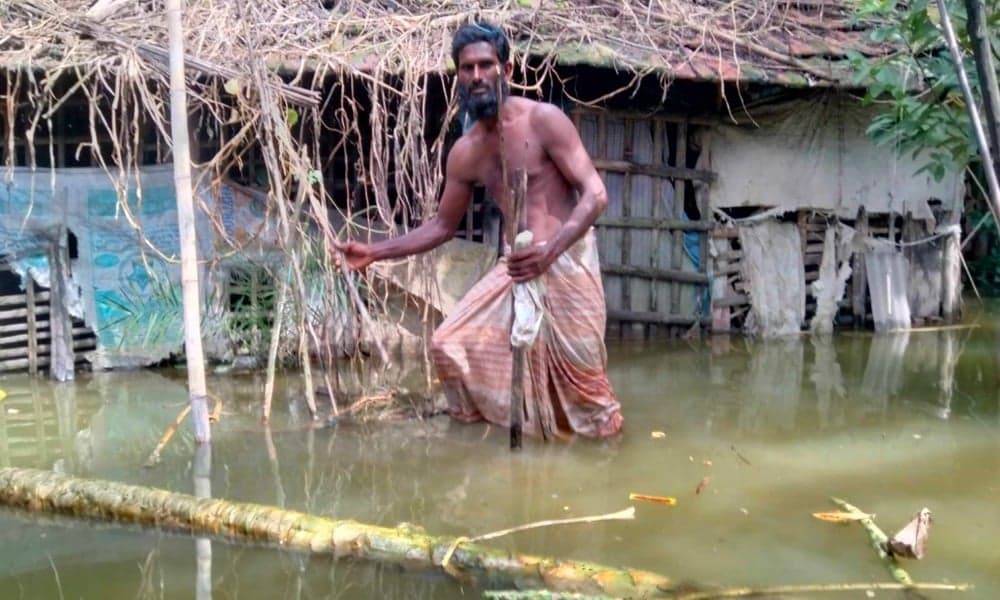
837,516
657,499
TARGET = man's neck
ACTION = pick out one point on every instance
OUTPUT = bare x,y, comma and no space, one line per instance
490,124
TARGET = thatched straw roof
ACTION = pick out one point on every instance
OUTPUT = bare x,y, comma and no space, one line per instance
798,43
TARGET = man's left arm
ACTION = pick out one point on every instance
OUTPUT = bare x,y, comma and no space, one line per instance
563,145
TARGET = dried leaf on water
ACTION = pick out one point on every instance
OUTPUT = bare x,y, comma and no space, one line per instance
702,485
669,501
839,516
657,435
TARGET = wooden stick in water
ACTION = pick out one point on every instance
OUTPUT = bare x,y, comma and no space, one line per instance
517,370
154,456
878,540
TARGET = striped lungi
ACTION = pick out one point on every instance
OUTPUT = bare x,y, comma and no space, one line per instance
566,386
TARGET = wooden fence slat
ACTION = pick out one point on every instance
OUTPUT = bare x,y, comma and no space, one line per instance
639,114
627,212
676,275
666,171
628,316
737,300
658,223
659,132
22,313
611,142
42,335
680,188
21,299
42,350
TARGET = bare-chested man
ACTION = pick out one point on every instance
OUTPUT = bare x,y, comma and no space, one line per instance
566,385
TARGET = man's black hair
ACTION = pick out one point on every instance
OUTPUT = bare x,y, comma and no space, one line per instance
480,32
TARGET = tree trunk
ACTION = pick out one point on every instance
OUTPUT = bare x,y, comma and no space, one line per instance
54,493
993,185
979,36
197,390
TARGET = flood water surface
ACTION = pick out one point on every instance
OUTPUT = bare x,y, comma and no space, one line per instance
750,437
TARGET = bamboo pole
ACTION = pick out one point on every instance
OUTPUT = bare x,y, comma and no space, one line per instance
781,590
970,104
59,494
197,389
538,595
518,353
272,352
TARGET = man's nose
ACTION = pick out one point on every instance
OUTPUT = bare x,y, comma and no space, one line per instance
477,73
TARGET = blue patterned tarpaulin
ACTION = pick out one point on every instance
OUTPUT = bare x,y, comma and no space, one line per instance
127,274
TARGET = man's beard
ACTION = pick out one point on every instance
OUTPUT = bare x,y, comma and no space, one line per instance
481,106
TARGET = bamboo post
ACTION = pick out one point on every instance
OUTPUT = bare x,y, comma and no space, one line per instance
859,277
29,300
517,366
272,352
58,494
197,389
972,106
61,358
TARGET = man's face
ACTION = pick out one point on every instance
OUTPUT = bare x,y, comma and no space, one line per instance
479,80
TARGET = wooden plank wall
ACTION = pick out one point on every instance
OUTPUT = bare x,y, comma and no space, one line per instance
25,332
642,160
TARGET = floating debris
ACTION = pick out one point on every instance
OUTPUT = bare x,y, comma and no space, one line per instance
669,501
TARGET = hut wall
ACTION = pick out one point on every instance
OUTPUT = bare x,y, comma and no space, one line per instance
809,162
652,237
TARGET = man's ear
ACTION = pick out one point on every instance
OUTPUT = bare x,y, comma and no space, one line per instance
508,68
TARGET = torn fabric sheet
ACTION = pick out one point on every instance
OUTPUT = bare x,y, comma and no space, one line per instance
528,307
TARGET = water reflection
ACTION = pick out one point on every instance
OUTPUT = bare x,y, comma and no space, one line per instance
202,472
893,422
774,385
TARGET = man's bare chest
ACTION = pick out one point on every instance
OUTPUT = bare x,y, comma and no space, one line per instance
520,152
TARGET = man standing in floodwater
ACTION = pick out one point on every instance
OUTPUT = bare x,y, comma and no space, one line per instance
566,387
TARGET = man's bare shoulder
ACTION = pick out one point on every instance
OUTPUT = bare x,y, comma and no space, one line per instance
546,114
550,123
464,156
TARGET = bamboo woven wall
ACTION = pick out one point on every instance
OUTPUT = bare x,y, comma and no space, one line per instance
651,286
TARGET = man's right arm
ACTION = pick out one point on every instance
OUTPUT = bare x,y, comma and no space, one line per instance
429,235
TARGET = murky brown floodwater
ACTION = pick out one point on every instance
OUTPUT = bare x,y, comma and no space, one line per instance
891,423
